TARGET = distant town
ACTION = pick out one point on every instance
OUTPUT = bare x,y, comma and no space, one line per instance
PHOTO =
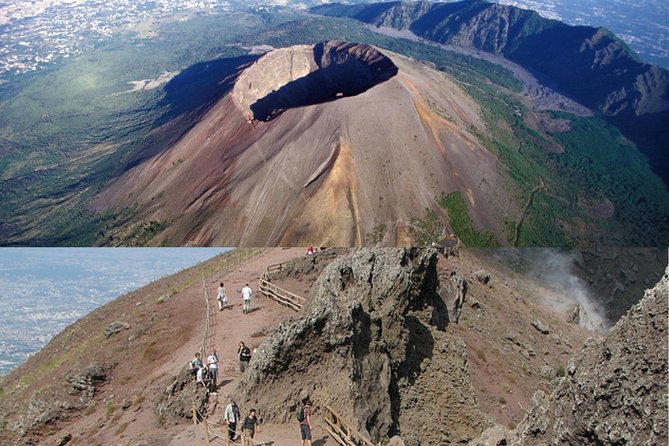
38,32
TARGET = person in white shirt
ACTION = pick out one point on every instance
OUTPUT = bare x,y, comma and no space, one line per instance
231,417
203,377
212,362
222,298
246,296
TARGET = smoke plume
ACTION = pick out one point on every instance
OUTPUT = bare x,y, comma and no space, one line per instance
555,270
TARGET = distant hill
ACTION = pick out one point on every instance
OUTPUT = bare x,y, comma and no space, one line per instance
591,64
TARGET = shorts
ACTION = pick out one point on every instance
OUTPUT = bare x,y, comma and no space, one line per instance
305,430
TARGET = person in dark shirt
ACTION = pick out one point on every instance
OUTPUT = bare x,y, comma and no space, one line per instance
196,364
251,425
304,417
244,356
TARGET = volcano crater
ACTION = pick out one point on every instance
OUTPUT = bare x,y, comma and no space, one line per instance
306,75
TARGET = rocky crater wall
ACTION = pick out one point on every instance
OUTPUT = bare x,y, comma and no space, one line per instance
306,75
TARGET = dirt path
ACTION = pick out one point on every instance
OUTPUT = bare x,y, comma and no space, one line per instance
233,326
536,189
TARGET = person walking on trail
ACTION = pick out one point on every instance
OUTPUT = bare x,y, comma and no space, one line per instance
231,417
244,354
222,298
304,417
196,363
246,297
212,362
250,425
204,378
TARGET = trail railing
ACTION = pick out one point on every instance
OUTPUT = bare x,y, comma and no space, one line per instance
230,260
215,433
275,292
342,431
209,337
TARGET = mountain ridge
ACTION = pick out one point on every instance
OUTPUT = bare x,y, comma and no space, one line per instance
591,64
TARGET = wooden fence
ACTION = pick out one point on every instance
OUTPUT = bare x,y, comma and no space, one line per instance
342,430
276,293
229,260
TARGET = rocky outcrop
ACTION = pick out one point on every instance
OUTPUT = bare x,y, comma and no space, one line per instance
43,415
456,290
114,328
176,403
615,391
88,379
374,336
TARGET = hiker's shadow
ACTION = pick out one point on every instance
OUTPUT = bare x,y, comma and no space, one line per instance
251,310
320,441
223,382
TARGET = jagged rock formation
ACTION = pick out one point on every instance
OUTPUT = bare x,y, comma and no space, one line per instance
87,380
175,404
615,389
373,335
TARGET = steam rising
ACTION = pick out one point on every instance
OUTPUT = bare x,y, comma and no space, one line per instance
569,293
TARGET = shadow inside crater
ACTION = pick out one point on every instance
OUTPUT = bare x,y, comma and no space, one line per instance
347,78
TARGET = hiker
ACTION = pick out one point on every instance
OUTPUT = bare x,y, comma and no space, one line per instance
204,378
231,416
196,363
222,298
311,251
212,362
246,296
304,417
244,354
250,425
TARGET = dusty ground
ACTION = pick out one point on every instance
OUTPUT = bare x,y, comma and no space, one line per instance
163,337
172,333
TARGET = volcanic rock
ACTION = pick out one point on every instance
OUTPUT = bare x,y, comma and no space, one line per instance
176,403
615,391
375,329
115,328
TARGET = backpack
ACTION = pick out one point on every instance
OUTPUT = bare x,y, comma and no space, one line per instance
300,414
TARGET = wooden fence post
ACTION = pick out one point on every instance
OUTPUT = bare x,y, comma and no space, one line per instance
206,430
194,414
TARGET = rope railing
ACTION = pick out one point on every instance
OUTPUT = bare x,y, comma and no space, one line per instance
212,435
208,339
228,261
276,293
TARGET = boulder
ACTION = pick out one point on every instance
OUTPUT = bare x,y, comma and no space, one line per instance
115,328
88,379
482,276
541,327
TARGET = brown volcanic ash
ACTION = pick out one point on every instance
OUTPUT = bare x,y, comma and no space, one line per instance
344,138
